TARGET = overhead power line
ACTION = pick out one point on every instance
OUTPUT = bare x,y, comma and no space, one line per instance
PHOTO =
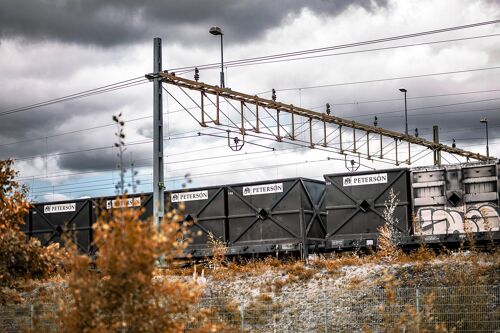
408,98
429,107
385,79
356,51
340,46
91,92
141,80
254,63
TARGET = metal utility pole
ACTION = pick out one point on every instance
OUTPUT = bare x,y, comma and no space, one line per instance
403,90
158,180
437,153
485,121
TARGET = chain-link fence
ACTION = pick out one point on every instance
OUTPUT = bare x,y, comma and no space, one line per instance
462,309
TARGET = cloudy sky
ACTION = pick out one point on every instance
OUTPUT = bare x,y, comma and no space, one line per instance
55,48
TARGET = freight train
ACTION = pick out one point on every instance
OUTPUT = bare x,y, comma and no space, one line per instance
435,205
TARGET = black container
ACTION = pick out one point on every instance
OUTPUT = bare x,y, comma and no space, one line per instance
276,215
56,222
355,206
205,210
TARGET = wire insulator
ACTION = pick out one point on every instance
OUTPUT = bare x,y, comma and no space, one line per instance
196,74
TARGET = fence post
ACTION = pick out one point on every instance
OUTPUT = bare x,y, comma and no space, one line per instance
242,313
273,314
32,310
325,305
417,303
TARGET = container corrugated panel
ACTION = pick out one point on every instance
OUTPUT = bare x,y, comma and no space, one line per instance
455,199
56,221
205,210
355,205
277,215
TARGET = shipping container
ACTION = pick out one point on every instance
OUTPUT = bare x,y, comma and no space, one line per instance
355,205
58,222
450,201
276,216
205,211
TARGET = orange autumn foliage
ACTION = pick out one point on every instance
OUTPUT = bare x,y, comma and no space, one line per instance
21,258
123,292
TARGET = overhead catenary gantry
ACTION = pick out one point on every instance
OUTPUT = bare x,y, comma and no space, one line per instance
255,116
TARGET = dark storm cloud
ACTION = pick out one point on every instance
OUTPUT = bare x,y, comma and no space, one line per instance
31,132
101,160
105,159
118,22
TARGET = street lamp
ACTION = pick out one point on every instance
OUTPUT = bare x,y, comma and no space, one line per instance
403,90
216,31
485,121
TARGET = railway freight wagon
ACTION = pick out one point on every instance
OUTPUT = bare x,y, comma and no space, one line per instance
435,205
254,218
282,215
450,201
58,222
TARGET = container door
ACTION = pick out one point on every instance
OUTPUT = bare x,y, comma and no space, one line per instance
481,198
429,202
312,201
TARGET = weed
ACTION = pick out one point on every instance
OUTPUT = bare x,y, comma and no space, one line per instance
389,235
218,249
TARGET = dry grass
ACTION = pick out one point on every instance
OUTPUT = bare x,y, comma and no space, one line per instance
261,309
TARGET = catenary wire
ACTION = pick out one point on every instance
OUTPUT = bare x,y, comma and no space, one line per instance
348,45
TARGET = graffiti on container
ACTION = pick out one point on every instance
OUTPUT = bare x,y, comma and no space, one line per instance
477,218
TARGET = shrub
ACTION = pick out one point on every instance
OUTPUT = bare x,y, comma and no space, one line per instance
123,293
22,258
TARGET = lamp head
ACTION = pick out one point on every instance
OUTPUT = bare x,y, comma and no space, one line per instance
403,90
484,120
216,31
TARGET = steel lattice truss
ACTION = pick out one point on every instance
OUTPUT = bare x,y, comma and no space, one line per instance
256,117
